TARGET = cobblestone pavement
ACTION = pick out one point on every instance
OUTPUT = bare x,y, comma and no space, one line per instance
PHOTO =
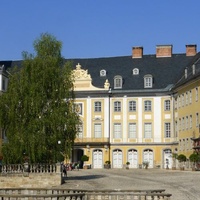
183,185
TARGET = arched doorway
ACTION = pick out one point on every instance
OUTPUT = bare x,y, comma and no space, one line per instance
133,158
76,156
97,159
117,158
167,158
148,157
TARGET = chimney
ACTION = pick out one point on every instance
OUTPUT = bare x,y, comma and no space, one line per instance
163,51
191,50
137,52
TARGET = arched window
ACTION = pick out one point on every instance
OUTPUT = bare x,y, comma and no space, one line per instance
135,71
148,81
117,82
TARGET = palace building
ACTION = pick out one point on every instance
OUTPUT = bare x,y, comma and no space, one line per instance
137,108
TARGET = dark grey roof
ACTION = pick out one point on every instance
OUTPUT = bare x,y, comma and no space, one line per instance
190,75
166,71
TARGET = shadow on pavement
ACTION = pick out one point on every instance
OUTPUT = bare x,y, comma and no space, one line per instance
86,177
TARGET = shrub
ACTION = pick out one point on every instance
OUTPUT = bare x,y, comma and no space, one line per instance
181,158
107,162
84,158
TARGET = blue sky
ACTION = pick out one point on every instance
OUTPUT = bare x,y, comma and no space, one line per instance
98,28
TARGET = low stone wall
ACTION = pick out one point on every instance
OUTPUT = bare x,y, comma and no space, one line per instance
54,194
42,179
30,180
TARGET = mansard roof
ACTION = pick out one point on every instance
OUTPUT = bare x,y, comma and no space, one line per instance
190,73
165,71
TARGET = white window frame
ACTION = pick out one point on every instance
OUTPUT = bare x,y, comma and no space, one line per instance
80,130
147,106
197,119
147,130
132,133
97,130
97,106
190,121
167,105
197,94
190,97
183,123
186,98
167,130
148,81
183,100
117,131
186,122
132,106
117,106
117,82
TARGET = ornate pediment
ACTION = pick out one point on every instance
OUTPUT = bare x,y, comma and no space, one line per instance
83,80
81,73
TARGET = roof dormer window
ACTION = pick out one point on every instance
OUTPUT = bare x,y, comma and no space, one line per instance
117,82
135,71
148,81
103,72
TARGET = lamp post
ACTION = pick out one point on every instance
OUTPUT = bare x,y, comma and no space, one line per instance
59,144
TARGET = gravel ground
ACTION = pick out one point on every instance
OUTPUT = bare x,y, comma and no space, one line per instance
183,185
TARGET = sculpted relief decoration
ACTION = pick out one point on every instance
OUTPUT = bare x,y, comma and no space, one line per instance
83,80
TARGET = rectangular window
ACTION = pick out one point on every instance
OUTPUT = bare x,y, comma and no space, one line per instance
118,82
147,130
197,94
148,82
190,121
117,131
179,101
179,124
183,100
183,123
97,130
176,129
80,130
132,106
117,106
186,122
175,103
167,130
190,96
132,130
167,105
186,98
97,106
147,106
197,119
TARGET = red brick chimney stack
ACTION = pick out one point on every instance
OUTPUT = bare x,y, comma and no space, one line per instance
163,51
191,50
137,52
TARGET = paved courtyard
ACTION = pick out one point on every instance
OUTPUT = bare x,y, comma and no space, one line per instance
183,185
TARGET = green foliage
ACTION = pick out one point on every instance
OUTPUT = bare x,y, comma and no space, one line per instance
107,162
194,157
127,163
84,158
181,158
37,109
